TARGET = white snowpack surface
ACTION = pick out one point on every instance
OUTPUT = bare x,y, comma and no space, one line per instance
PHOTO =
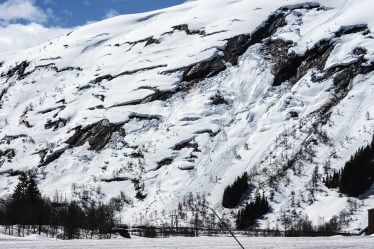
198,243
254,131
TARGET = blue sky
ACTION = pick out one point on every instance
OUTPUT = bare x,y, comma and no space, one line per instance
26,23
68,13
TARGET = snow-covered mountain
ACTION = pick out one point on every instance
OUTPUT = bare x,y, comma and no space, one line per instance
186,99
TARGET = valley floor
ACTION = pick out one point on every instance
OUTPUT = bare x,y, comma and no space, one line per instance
195,243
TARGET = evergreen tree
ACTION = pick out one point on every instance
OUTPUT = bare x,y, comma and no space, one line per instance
234,192
333,181
72,219
27,209
33,202
20,190
357,175
17,207
32,192
254,210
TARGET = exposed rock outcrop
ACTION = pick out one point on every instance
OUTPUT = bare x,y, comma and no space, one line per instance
218,99
55,124
18,70
189,143
48,158
204,69
9,138
185,28
147,41
97,135
110,77
237,46
9,154
291,67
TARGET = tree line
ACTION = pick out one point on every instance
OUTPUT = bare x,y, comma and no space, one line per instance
25,211
248,216
303,226
252,211
357,175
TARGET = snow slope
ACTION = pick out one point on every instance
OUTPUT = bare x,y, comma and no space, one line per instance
200,242
141,87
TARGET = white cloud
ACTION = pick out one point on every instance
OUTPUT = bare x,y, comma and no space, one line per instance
12,10
20,36
31,32
111,13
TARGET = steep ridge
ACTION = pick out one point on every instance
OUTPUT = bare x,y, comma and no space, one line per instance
183,100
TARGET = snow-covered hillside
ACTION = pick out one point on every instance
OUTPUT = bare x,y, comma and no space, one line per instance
185,99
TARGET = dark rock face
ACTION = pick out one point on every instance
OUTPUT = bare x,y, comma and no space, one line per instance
208,131
21,68
139,116
110,77
47,159
136,154
158,95
345,30
96,107
185,28
148,41
285,64
139,188
163,162
293,114
218,99
235,47
194,149
292,67
51,58
140,196
360,51
12,172
116,179
187,144
315,58
269,27
61,107
8,154
205,69
26,123
343,78
17,70
99,79
97,135
60,122
2,94
7,139
20,71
